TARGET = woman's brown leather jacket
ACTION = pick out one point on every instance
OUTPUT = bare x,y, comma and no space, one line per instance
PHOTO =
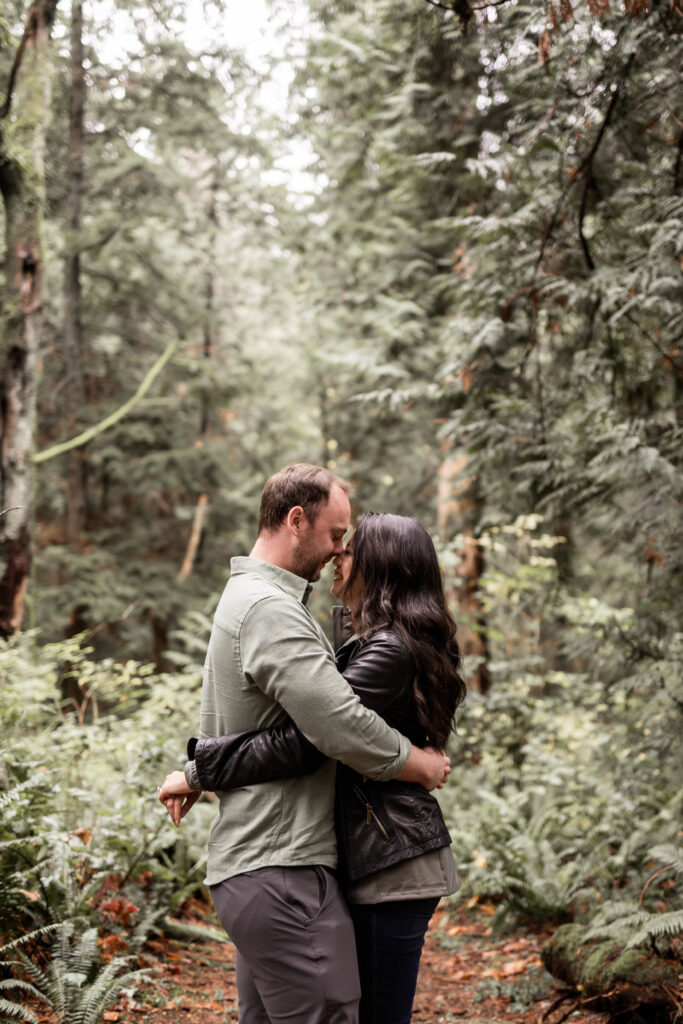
378,823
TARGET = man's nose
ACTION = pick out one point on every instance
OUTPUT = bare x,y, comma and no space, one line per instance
338,549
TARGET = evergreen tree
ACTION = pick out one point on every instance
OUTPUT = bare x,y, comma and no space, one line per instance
23,123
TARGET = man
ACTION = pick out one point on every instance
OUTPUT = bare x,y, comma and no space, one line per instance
272,849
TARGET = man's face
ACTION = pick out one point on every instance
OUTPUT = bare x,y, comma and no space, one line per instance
323,539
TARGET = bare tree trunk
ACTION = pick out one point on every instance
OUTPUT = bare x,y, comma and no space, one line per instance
457,506
73,334
22,147
209,295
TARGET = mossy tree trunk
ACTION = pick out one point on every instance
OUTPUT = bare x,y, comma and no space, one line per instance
22,182
458,507
73,333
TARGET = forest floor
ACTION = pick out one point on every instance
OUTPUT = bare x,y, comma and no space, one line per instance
468,974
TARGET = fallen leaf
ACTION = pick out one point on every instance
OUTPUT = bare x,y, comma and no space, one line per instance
515,967
119,908
110,945
33,896
512,947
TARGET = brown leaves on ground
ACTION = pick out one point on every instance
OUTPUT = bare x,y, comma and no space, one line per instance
467,974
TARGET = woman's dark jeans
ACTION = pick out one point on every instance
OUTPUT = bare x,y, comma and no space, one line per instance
389,940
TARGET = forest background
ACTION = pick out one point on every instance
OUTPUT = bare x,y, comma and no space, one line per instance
468,303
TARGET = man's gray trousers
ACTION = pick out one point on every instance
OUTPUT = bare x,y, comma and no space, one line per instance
296,952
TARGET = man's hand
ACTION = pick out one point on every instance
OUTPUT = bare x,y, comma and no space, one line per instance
429,767
177,797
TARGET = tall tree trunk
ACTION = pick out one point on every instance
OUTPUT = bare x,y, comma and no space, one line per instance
73,334
22,182
209,295
457,506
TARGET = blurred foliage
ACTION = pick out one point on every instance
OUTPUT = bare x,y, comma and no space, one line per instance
566,800
89,861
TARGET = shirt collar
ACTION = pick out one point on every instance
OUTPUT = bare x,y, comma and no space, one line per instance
292,584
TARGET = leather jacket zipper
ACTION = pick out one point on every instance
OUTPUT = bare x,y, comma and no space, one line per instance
370,814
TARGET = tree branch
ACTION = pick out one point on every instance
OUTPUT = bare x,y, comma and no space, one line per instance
16,64
587,163
47,9
193,544
109,421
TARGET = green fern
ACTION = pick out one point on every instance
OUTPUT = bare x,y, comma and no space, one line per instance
657,926
73,985
632,926
35,781
13,1012
670,855
29,937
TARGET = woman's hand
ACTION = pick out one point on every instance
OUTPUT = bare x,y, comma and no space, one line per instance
428,766
442,764
177,797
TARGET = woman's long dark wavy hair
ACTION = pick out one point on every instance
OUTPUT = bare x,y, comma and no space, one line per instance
395,559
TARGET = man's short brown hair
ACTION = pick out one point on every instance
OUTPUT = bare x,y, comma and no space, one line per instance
301,484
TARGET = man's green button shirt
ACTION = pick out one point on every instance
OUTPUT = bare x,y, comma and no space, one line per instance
268,657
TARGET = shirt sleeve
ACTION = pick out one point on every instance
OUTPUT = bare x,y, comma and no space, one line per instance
191,776
283,655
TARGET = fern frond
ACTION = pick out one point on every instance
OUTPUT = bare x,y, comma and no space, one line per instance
84,955
658,926
13,1012
32,969
669,854
12,983
105,990
36,934
10,795
620,927
612,911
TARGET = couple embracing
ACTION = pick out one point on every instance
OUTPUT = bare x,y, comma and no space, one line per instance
329,855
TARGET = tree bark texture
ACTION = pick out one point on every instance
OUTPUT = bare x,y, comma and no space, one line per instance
22,153
73,333
456,513
209,326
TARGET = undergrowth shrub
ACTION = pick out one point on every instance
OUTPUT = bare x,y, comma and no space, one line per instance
74,985
566,797
85,846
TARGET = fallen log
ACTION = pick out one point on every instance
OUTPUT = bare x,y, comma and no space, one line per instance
180,930
608,977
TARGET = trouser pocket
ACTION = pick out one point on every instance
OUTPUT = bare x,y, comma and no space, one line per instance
308,889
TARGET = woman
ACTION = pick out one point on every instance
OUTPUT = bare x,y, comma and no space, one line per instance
394,849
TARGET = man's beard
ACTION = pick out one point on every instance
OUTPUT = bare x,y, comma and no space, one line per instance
307,561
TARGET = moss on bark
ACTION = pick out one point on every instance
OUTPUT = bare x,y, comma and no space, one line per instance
613,978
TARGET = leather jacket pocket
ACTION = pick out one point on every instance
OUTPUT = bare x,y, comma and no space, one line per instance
372,817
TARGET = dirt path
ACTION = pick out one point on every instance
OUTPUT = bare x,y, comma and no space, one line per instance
467,975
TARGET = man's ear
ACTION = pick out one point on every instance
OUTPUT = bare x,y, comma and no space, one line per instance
296,519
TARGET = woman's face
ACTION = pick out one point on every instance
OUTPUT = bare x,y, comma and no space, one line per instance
342,571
